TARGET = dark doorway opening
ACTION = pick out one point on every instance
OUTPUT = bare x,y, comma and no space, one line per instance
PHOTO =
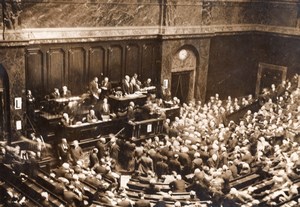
180,85
5,130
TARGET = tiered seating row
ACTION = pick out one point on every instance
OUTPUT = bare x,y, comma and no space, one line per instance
29,187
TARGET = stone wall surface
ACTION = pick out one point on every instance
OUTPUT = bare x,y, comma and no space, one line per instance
233,64
13,61
29,14
90,13
234,60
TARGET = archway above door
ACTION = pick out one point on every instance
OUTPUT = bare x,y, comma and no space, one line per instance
184,65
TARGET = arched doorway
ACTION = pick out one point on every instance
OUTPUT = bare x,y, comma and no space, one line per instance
183,75
4,105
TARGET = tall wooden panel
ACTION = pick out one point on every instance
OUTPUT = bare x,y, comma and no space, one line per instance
115,63
96,62
132,60
154,63
76,71
147,62
55,69
34,71
75,65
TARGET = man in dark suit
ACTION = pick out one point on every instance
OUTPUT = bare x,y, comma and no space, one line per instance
63,150
106,87
94,90
213,161
178,185
114,148
95,181
142,202
105,107
145,164
185,162
126,86
62,170
55,94
135,83
91,117
101,146
147,83
94,158
66,93
131,112
160,204
76,152
100,169
174,164
71,197
162,168
66,120
30,102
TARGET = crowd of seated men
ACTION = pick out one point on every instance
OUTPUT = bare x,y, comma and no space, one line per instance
201,149
205,153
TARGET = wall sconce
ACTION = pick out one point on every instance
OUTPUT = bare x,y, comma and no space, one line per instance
149,128
166,83
18,103
18,124
110,49
128,48
145,47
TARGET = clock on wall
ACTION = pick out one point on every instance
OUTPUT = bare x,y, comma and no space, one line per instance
182,54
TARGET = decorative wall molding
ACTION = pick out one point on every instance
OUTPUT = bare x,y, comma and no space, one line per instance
69,35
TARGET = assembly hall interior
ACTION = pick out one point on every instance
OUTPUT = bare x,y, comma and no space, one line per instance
149,103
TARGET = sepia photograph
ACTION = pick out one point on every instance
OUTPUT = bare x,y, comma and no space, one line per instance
150,103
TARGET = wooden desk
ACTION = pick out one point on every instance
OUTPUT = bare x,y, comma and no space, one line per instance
57,105
146,127
171,112
50,119
86,130
123,102
150,89
245,181
65,100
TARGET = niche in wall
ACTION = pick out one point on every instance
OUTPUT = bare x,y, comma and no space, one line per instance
269,74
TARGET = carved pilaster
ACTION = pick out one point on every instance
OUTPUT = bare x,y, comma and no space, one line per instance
206,13
298,16
201,76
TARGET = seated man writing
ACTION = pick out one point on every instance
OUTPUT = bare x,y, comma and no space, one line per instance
66,120
91,117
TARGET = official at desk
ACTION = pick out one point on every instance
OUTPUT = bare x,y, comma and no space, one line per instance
91,117
66,93
105,87
105,107
82,130
94,90
127,86
55,94
66,120
121,103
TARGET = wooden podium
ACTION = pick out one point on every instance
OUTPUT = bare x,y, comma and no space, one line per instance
148,127
123,102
